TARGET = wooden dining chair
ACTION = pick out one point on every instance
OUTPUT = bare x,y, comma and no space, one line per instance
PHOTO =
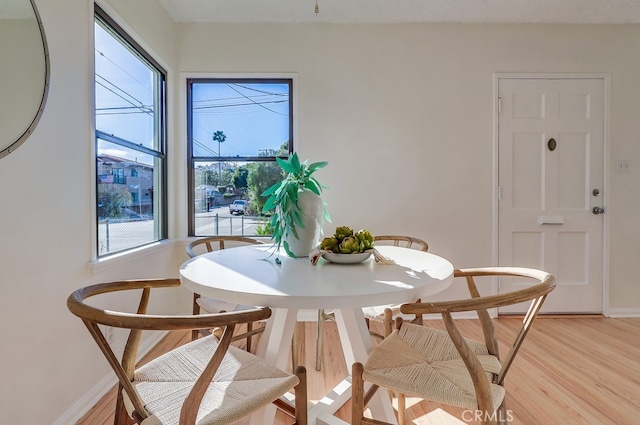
213,305
444,366
381,314
207,381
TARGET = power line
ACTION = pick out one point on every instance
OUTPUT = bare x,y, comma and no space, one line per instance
139,104
261,91
203,146
251,100
122,69
230,98
231,105
122,111
228,146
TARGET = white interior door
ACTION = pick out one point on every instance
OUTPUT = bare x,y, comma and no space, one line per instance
551,177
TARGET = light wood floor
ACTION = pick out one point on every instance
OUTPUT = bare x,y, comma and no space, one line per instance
570,370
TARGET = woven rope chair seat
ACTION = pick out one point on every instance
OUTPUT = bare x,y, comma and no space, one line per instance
243,384
377,313
373,312
213,305
423,362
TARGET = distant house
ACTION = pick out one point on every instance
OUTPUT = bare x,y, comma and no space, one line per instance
207,196
133,176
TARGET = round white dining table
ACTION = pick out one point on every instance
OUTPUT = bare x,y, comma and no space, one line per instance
250,275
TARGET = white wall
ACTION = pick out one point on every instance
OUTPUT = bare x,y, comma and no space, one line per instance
403,114
47,359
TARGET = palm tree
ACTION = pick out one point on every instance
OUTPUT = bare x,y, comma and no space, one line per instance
219,137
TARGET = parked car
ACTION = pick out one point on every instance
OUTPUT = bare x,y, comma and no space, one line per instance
239,206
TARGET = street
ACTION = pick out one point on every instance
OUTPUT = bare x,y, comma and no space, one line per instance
218,221
117,235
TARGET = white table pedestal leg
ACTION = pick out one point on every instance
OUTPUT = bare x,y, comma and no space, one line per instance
275,346
357,344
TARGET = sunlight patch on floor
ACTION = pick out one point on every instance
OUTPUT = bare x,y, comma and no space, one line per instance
438,417
435,417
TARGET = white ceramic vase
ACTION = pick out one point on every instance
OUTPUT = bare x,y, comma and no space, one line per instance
313,218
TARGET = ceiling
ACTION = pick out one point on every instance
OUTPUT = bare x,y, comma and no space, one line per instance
405,11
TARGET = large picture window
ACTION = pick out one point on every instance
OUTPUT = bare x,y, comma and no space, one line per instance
130,141
236,129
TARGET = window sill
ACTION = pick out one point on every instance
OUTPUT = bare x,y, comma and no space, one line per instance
108,262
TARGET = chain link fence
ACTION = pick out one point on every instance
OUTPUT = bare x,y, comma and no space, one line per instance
243,225
119,234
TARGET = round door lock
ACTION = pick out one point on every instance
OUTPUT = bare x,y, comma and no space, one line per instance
598,210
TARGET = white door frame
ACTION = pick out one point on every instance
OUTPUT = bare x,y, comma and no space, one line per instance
607,169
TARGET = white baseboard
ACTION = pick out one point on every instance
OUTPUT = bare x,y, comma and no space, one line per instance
623,312
82,406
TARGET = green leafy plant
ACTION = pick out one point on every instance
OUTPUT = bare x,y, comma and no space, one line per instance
282,199
263,228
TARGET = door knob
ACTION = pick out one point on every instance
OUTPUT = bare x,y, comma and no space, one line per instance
598,210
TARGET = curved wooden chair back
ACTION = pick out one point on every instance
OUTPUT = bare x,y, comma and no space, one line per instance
138,321
403,241
535,294
483,380
215,243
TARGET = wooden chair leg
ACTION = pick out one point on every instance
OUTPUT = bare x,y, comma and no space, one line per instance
294,354
121,416
249,329
503,419
357,394
388,322
402,409
301,396
196,310
319,339
418,319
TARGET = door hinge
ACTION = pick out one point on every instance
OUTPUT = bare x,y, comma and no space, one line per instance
499,193
499,104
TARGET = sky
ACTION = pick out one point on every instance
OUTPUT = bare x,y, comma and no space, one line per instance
252,116
124,96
